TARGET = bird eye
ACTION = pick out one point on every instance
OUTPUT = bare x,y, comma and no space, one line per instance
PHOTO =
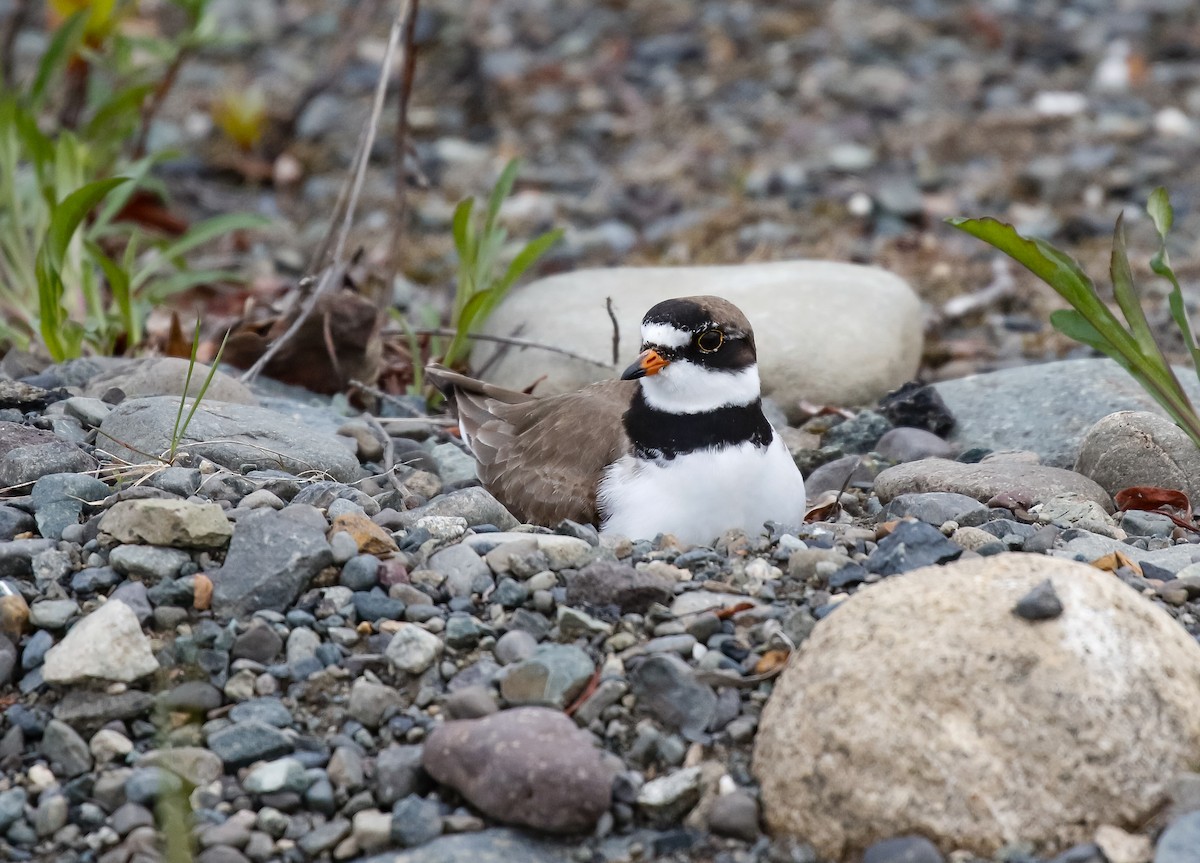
709,340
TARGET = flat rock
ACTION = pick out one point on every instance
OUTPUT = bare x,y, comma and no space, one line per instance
1132,448
858,744
553,676
562,552
27,454
170,523
667,688
529,766
835,308
232,435
475,504
1032,483
60,499
272,558
496,845
609,584
107,644
1046,408
165,376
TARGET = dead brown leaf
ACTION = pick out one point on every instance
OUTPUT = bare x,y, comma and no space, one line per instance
1113,561
370,537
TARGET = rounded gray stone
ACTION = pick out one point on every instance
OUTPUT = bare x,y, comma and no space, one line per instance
1136,448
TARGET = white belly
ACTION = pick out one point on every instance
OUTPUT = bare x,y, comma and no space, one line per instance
699,496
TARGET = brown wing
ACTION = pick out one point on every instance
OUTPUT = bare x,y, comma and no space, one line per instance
541,457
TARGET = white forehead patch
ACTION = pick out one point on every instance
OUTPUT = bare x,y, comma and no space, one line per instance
665,335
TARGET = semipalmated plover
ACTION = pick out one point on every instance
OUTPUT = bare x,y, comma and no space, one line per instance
678,445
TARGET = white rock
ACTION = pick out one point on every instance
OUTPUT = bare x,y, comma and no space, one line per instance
812,321
413,649
108,745
108,644
372,829
924,705
563,552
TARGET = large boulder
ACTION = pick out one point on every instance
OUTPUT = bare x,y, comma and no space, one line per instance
1033,483
1058,402
232,435
1131,448
925,705
530,766
834,310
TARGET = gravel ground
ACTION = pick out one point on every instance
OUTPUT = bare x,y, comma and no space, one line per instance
288,666
705,132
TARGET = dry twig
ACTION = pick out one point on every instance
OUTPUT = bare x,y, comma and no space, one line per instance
333,275
612,316
512,341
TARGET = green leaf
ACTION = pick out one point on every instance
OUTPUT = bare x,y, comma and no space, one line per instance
118,284
1159,208
119,115
1127,297
1056,269
529,256
70,212
502,189
62,47
198,235
161,288
460,225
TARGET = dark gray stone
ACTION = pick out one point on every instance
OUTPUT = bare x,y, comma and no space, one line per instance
87,711
150,563
16,556
607,583
936,507
66,751
857,434
260,642
271,560
735,815
270,711
903,849
243,743
321,839
911,545
60,499
360,572
910,444
1041,603
415,821
398,773
8,661
14,521
666,688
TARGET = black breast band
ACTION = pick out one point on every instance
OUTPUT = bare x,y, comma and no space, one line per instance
658,435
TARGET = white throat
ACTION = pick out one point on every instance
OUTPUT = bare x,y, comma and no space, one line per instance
685,388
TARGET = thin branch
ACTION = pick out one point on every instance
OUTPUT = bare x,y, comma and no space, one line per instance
509,340
17,20
335,273
612,316
151,109
351,23
389,451
401,149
